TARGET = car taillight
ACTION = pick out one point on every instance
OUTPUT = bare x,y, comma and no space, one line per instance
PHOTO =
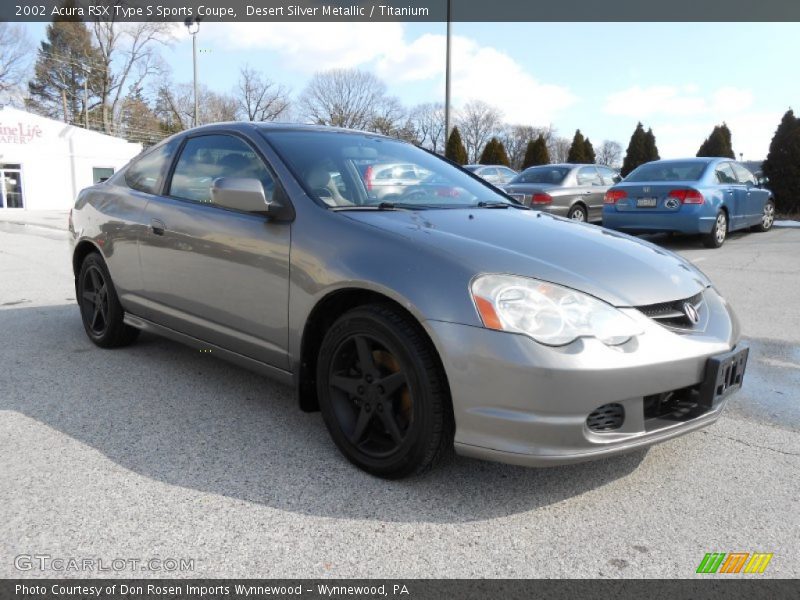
368,178
541,198
614,196
687,196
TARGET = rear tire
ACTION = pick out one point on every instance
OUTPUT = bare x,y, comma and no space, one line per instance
767,218
578,213
383,393
719,232
101,312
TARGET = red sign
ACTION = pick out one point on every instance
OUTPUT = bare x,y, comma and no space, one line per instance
19,133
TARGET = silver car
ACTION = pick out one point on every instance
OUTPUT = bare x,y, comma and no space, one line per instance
451,315
494,174
567,190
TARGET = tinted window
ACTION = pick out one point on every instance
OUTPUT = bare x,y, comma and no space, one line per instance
672,170
314,156
725,173
743,174
546,174
145,172
588,176
609,176
206,158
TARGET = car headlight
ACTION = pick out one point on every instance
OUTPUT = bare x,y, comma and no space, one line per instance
548,313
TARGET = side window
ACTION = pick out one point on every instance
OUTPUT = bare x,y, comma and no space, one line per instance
725,173
145,172
588,176
208,157
743,174
490,172
609,176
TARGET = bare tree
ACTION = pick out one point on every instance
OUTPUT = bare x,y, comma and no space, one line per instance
428,123
175,106
389,117
342,98
15,54
609,153
558,148
128,55
515,138
478,123
258,98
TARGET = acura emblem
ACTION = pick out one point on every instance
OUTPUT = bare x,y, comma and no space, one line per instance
691,313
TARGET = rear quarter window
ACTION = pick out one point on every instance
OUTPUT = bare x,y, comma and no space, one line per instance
145,172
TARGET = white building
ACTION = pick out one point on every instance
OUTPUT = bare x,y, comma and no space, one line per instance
45,163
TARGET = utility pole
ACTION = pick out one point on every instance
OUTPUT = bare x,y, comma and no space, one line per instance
447,80
193,25
86,100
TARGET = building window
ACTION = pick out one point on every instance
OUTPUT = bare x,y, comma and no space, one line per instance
11,186
100,174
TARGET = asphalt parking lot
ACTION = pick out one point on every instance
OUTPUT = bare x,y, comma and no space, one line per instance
159,451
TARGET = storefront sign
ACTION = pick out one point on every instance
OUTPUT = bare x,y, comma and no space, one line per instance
19,133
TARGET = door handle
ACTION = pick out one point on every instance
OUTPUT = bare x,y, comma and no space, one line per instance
587,192
157,226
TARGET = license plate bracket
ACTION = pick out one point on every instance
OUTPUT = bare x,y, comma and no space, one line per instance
646,202
724,375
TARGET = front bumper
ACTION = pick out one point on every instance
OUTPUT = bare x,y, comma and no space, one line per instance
520,402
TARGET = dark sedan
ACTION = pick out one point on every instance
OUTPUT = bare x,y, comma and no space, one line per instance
572,191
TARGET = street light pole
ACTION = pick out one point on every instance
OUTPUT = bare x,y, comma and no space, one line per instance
193,25
447,80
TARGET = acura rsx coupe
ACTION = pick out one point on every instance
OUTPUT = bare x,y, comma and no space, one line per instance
706,196
437,319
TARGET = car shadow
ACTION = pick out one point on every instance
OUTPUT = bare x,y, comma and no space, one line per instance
185,418
677,242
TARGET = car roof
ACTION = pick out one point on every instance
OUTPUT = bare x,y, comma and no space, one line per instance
272,126
697,159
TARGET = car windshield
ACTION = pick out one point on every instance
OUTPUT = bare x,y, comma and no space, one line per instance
668,171
355,170
546,174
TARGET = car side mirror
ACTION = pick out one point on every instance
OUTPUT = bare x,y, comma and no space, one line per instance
239,193
247,195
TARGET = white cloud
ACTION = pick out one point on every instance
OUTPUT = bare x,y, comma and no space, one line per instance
479,72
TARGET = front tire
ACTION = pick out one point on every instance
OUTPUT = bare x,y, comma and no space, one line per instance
719,231
101,312
767,217
383,393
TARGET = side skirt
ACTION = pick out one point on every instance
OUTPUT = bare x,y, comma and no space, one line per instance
246,362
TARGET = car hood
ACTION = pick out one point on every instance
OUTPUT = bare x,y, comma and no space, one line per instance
617,268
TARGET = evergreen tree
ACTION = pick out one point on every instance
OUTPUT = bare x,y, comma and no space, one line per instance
588,151
577,152
718,143
782,166
138,121
651,150
455,150
637,151
536,153
494,153
64,61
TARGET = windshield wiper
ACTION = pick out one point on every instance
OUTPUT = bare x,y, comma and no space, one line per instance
382,206
484,204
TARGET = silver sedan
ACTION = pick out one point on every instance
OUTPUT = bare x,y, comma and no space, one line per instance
450,316
567,190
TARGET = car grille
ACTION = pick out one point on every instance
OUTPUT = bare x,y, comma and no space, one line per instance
671,314
606,417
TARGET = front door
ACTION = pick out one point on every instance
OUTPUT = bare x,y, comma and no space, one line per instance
11,186
218,275
591,191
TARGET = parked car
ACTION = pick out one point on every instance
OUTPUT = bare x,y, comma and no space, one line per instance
438,319
705,196
567,190
388,181
494,174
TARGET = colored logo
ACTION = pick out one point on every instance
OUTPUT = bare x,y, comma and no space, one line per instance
735,562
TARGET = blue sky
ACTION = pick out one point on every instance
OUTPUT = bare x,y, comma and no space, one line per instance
678,78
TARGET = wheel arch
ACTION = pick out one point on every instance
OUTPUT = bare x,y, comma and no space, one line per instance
324,313
81,251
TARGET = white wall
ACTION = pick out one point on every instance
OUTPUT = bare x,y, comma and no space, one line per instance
57,159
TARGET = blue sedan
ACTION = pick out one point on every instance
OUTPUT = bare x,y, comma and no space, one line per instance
706,196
